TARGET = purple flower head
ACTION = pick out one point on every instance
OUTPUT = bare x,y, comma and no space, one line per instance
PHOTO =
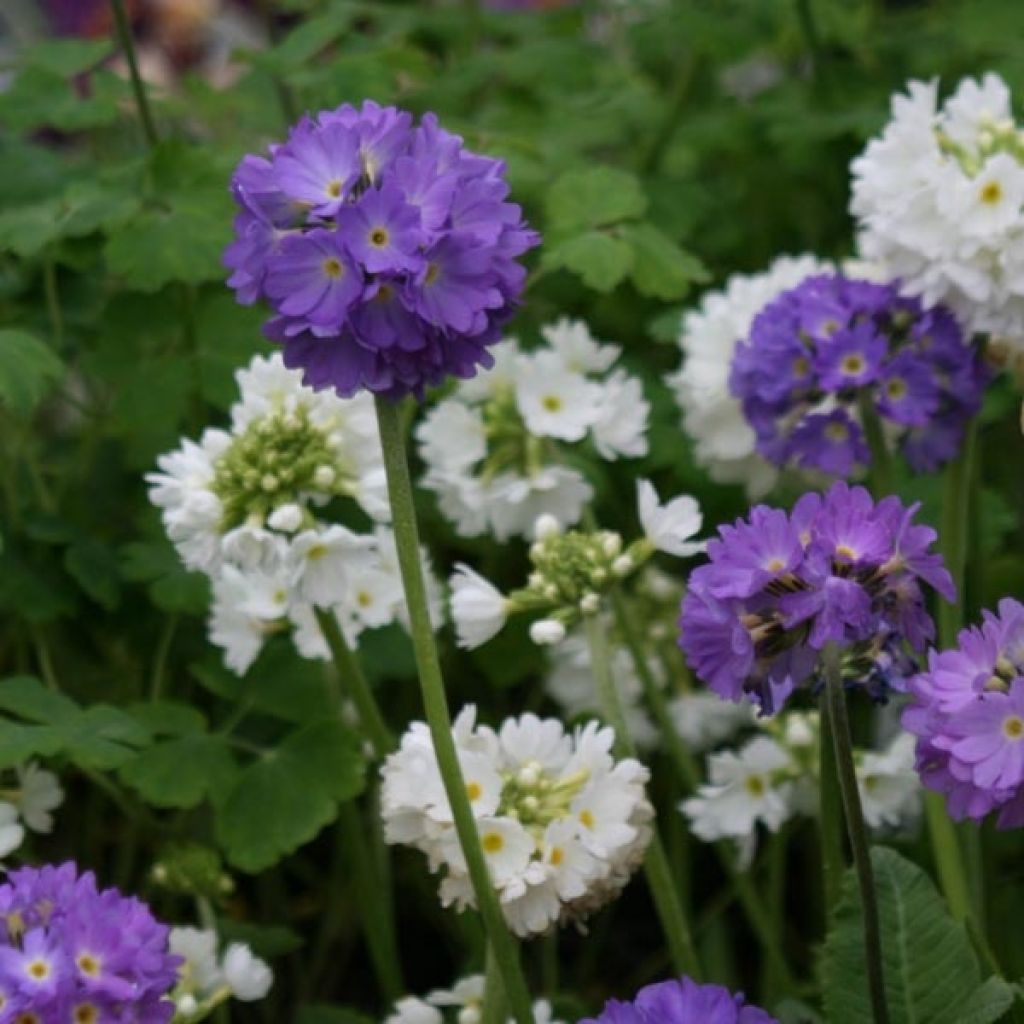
682,1002
777,588
388,251
821,350
70,952
968,715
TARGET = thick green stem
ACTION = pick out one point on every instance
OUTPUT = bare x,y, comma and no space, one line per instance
881,475
435,706
378,927
949,861
495,1008
842,742
354,684
954,534
689,776
830,821
659,876
124,35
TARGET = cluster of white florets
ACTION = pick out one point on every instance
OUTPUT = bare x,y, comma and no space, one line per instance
939,197
773,776
247,507
724,442
573,571
493,448
562,824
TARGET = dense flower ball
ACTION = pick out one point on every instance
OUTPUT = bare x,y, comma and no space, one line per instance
71,952
682,1002
938,197
829,343
968,715
562,824
838,569
724,441
387,250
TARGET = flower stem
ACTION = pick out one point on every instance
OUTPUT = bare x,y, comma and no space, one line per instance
656,867
831,817
949,860
495,1011
881,475
355,685
435,705
842,743
689,776
953,536
124,35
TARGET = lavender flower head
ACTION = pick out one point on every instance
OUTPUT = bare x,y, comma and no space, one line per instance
682,1002
387,250
826,345
72,953
968,715
838,569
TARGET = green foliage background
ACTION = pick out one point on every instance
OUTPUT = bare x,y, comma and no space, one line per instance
649,178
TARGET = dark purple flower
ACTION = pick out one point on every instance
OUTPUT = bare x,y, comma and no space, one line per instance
968,715
820,352
682,1002
388,251
777,588
71,952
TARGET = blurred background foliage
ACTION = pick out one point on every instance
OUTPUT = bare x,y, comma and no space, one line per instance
659,145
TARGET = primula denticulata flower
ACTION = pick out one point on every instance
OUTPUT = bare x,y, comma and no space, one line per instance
968,715
839,569
246,507
562,824
938,198
682,1002
386,249
492,448
724,442
80,953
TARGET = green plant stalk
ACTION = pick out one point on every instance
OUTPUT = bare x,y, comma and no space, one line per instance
881,475
954,533
830,821
354,684
378,927
948,855
124,35
689,776
656,867
842,743
435,706
495,1010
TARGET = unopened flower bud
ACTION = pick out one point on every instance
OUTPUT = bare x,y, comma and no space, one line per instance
287,518
324,476
611,544
590,603
269,482
546,526
623,565
547,632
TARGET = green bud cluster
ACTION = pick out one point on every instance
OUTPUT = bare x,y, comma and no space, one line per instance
192,869
994,137
534,799
274,462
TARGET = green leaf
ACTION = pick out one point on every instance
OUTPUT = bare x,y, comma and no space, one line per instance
172,588
591,198
602,260
28,698
93,564
168,718
183,772
28,370
227,336
284,799
66,57
931,973
661,269
19,743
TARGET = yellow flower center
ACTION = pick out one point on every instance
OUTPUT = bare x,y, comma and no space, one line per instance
837,432
493,842
552,403
991,193
853,364
88,964
433,273
557,856
334,188
364,599
38,970
474,791
1013,727
587,819
775,565
896,388
333,268
801,367
86,1014
756,786
379,237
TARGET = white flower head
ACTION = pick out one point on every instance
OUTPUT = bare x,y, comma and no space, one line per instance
669,527
479,609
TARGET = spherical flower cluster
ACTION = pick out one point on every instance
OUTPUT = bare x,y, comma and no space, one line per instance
968,715
247,507
463,1003
572,571
681,1002
493,448
387,250
562,824
208,979
774,776
779,587
28,804
71,952
938,198
830,345
724,442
